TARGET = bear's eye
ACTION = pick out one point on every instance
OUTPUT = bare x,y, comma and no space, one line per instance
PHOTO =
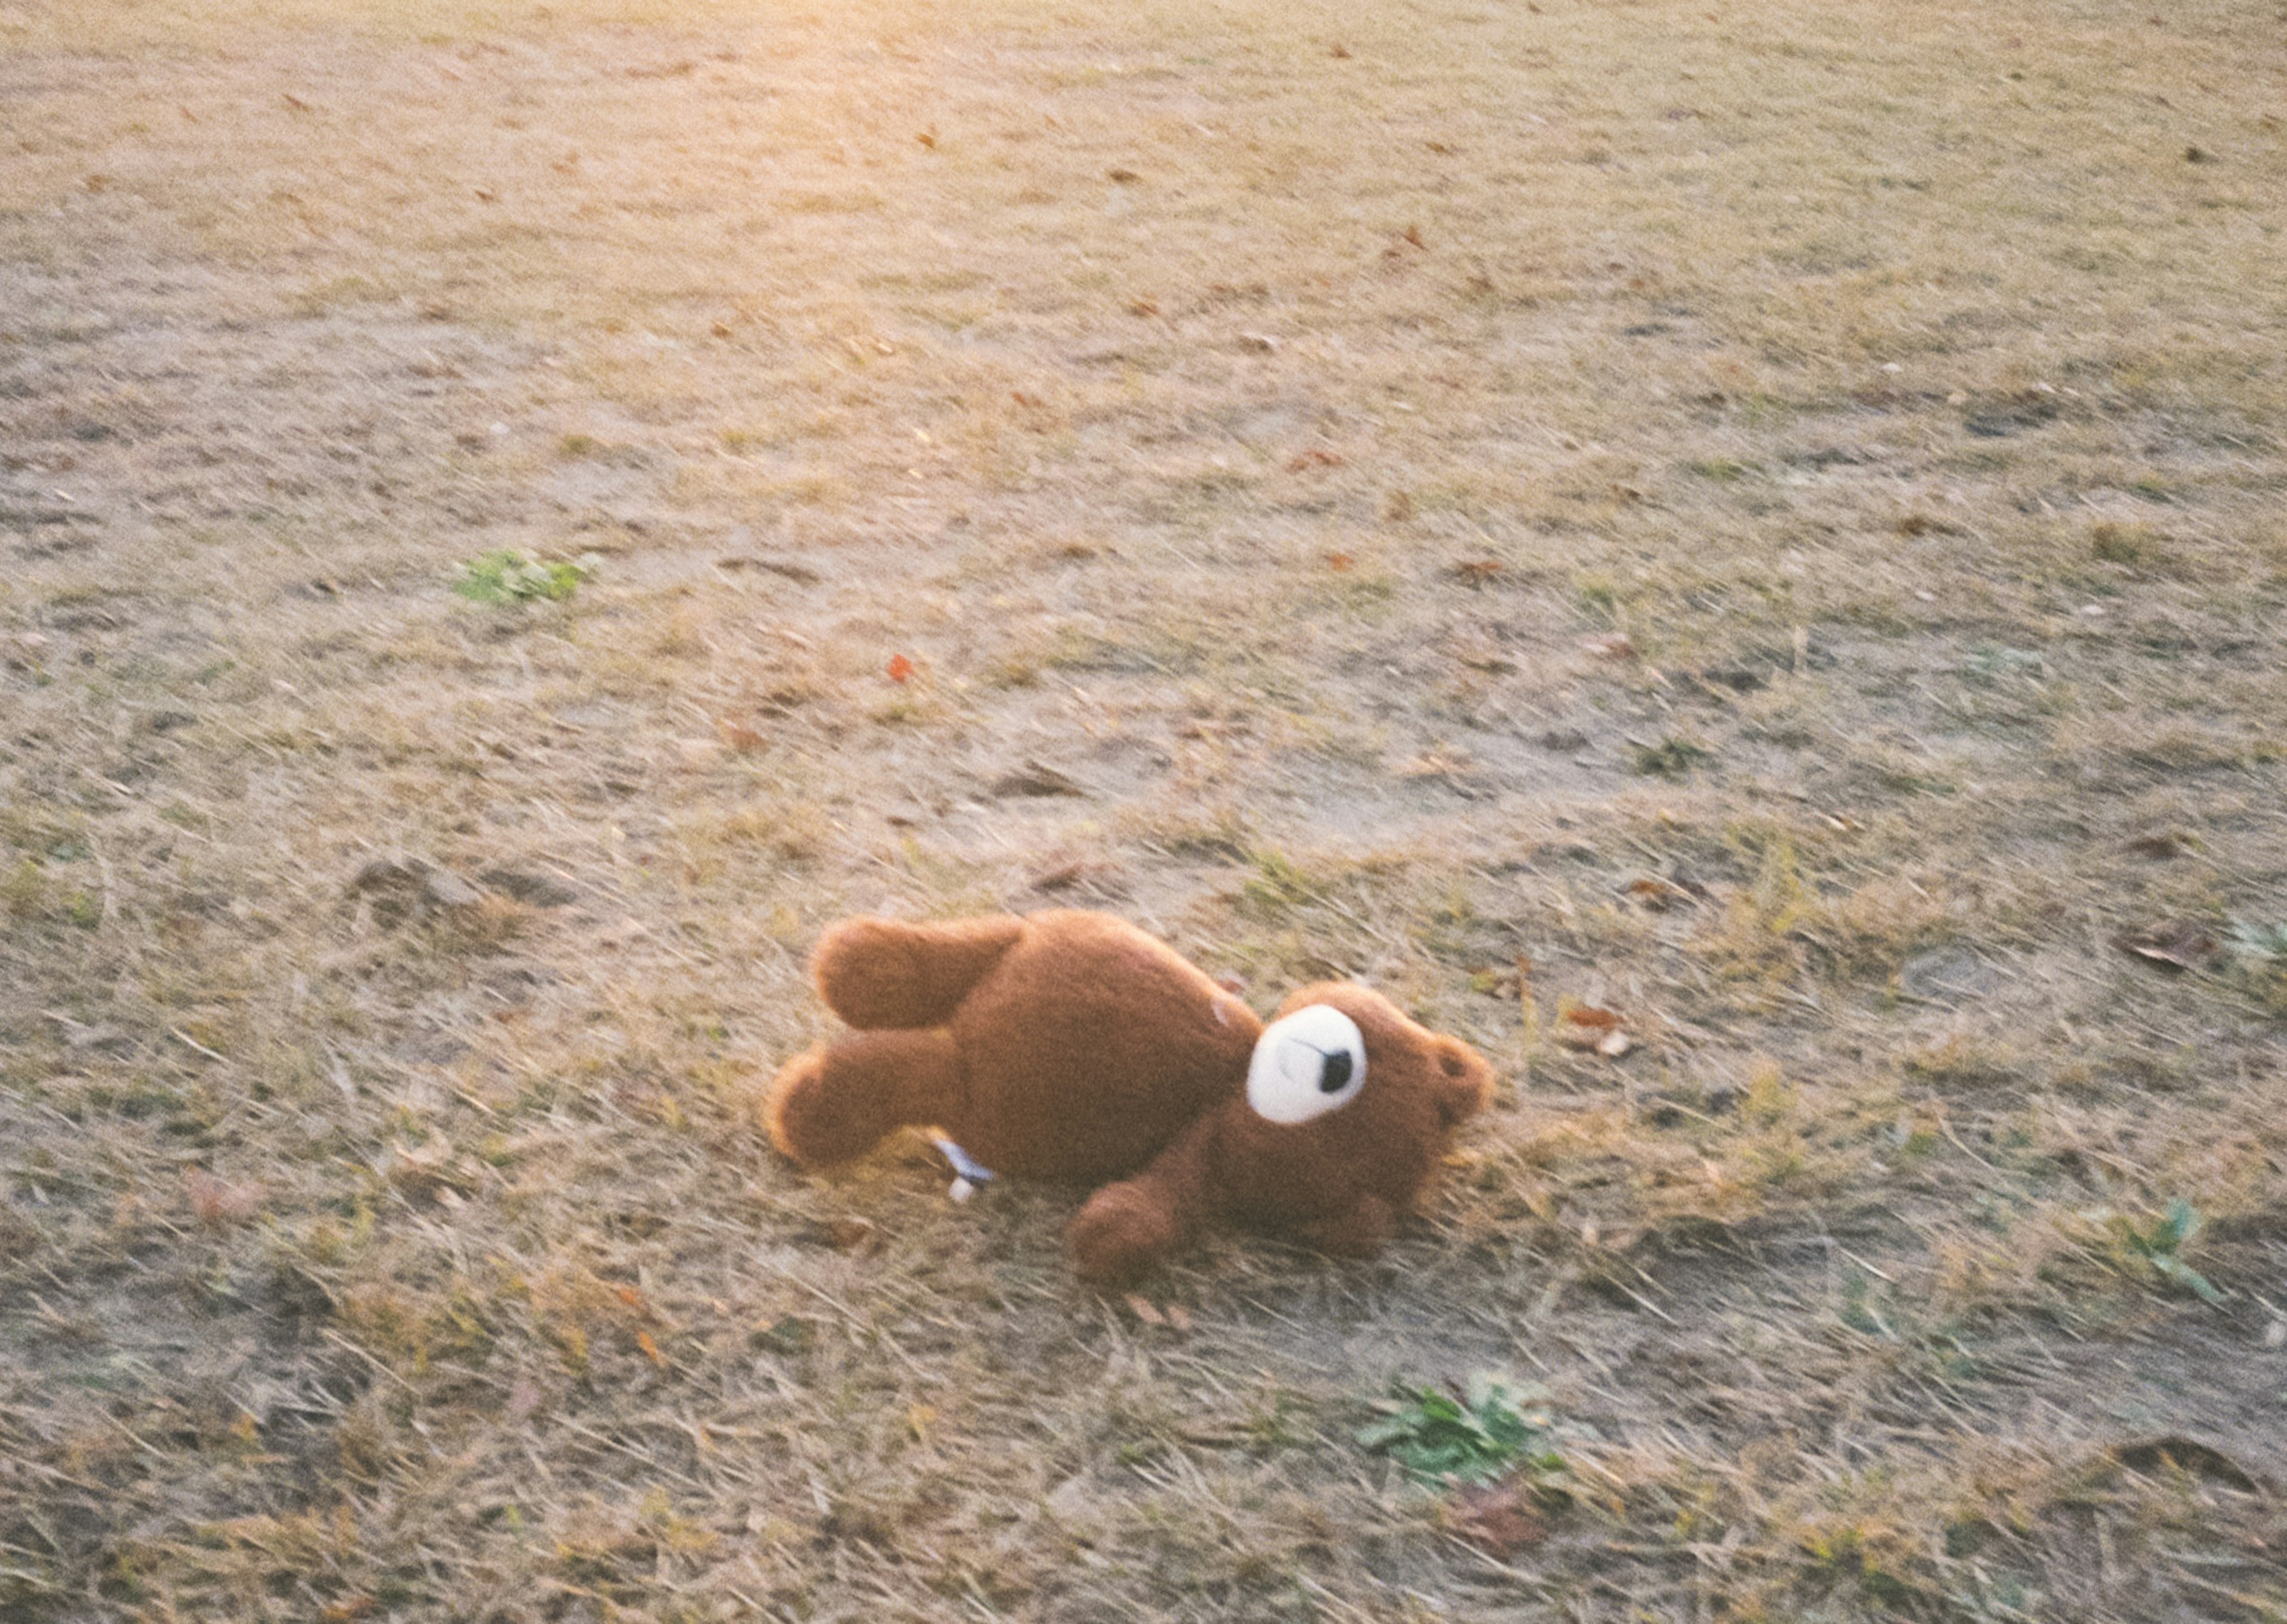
1306,1065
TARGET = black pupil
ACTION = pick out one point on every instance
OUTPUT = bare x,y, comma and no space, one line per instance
1335,1073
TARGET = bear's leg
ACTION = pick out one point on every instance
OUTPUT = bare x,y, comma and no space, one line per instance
843,1098
886,973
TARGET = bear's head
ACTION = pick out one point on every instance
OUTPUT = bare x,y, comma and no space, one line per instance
1345,1097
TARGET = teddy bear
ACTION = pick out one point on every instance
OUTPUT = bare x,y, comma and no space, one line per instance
1070,1046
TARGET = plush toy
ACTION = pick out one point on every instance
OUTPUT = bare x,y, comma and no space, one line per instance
1072,1047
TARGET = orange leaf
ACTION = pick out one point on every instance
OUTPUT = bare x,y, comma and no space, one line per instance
650,1349
901,668
215,1203
738,735
1499,1519
1583,1025
1339,561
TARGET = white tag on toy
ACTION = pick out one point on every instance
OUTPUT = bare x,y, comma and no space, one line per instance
967,1171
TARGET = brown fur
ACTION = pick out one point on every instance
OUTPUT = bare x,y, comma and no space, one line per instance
1072,1047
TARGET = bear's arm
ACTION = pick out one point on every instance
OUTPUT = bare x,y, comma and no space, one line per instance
1130,1226
1357,1232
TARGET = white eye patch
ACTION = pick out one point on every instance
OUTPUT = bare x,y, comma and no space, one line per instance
1306,1065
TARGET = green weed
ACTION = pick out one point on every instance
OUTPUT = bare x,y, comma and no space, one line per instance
505,576
2159,1246
1483,1435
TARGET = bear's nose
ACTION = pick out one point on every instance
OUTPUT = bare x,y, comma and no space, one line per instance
1334,1075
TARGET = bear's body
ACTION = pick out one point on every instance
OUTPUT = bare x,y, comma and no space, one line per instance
1072,1047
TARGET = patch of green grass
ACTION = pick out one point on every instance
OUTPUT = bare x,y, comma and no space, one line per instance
2265,944
2159,1246
1486,1433
1278,883
505,576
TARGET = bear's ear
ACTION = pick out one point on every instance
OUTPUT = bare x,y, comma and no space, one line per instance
1466,1081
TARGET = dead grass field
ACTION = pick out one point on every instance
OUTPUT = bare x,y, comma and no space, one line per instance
1770,519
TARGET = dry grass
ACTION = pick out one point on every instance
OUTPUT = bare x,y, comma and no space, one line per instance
1247,415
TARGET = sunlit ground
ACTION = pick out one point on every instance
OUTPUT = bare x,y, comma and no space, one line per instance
1764,521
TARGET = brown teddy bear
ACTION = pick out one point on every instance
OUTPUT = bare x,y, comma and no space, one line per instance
1070,1046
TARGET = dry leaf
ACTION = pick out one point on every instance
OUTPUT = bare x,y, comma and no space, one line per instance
1435,764
1036,779
650,1349
1064,876
1340,561
802,575
1499,1519
927,138
2161,847
2179,944
1143,1310
1314,458
1609,645
215,1203
1659,895
738,735
1589,1017
1477,571
420,1174
848,1234
1586,1027
1179,1318
901,668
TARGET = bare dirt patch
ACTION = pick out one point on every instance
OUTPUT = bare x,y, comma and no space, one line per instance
1764,522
